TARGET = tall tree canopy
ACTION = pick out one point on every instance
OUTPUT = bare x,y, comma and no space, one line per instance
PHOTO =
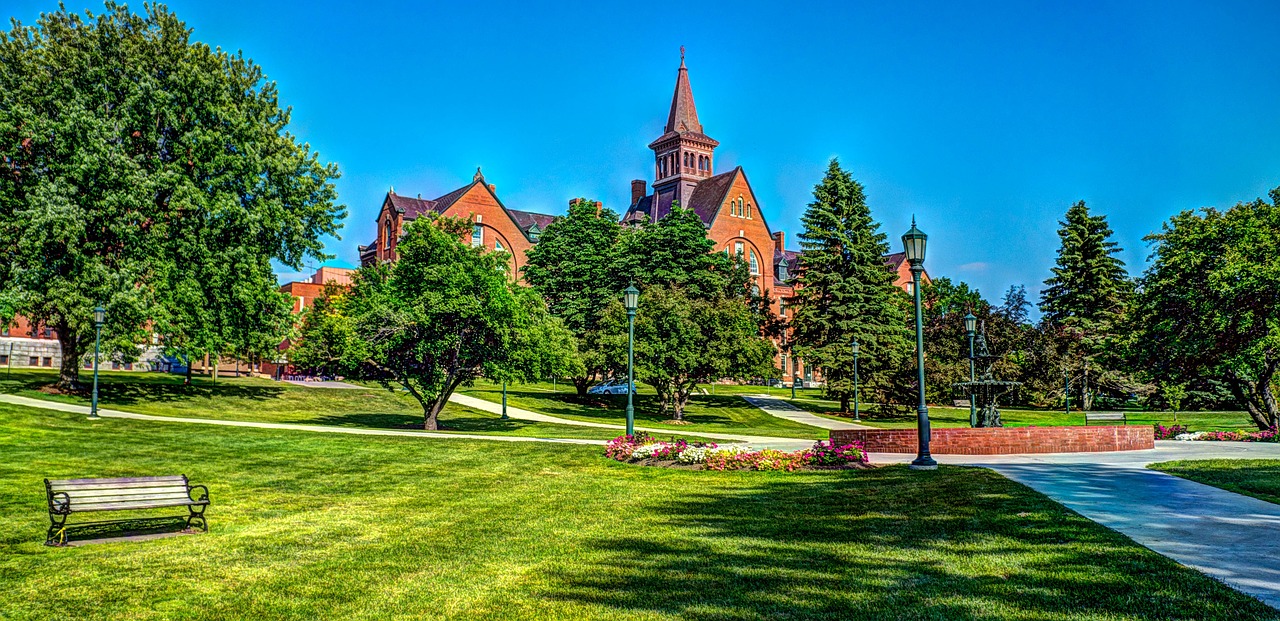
573,267
698,319
441,316
1084,304
844,291
1209,305
151,174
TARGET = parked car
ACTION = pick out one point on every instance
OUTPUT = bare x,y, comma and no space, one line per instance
610,387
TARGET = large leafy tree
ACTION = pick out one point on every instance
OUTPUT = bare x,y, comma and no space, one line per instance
151,174
1085,301
845,293
440,317
573,267
1208,310
699,317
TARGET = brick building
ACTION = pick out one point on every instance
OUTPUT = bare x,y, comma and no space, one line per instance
494,225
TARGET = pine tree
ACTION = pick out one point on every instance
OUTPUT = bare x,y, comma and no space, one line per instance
1084,302
1089,283
845,293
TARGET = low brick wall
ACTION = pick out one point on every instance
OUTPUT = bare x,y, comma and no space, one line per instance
1005,440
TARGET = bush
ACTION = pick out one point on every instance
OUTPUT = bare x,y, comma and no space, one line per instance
823,454
1170,432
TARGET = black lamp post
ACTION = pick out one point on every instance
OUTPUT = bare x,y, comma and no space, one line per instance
631,299
856,416
971,328
913,242
99,317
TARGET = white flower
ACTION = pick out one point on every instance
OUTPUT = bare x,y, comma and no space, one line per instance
647,450
1189,436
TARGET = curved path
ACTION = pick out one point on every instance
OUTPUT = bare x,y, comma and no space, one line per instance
782,408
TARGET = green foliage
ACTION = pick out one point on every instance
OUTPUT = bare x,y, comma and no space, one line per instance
443,315
573,267
845,293
1209,305
153,175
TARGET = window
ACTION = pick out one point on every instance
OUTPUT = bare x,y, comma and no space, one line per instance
477,235
748,210
497,245
34,361
737,248
741,212
115,365
386,235
5,332
782,311
755,264
4,358
48,362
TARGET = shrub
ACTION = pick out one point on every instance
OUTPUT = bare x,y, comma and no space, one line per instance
1172,431
824,453
1267,435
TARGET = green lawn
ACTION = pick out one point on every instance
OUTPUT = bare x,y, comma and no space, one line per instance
941,416
313,526
261,400
1259,478
706,413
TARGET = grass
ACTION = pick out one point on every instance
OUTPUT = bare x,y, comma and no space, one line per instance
944,416
1259,478
261,400
317,526
717,413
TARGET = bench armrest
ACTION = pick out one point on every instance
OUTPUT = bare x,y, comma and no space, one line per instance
203,497
59,503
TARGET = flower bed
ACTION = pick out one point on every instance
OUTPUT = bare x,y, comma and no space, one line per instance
644,449
1170,432
1267,435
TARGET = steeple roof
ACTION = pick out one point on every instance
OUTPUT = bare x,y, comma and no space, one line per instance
683,119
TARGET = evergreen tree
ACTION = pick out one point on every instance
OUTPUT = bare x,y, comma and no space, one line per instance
1015,306
1085,301
845,293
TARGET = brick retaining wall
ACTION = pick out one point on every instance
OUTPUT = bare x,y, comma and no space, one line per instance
1005,440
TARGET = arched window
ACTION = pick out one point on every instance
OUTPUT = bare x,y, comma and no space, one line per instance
477,235
497,245
386,235
748,210
755,264
737,248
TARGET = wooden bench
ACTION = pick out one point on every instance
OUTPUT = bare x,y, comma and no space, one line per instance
1090,417
69,496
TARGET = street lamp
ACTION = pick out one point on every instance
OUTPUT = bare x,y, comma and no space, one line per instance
631,299
856,416
99,317
913,242
970,328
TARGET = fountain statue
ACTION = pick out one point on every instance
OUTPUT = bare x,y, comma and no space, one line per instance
985,388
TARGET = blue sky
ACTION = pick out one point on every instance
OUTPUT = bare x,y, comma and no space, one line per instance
985,122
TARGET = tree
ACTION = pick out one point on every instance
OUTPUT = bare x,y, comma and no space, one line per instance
441,316
1208,307
573,267
137,165
1015,307
1086,300
845,293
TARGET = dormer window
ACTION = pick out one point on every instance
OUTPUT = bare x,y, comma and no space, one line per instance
781,270
534,233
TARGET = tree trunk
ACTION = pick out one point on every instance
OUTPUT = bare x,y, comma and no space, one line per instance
187,381
844,404
581,384
69,370
431,413
1257,397
680,398
1086,397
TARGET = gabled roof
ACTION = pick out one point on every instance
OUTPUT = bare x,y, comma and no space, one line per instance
894,259
411,208
710,194
528,220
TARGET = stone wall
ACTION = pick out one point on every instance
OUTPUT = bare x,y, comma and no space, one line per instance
20,351
1005,440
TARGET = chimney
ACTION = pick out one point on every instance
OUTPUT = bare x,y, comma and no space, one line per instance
638,187
780,239
493,188
599,206
573,201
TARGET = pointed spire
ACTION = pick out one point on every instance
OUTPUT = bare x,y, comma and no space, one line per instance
684,115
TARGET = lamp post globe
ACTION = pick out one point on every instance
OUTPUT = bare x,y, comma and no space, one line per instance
913,244
971,328
99,318
856,348
631,300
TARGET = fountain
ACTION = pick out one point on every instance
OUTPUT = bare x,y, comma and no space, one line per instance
985,389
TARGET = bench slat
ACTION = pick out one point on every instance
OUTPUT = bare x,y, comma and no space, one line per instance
147,484
89,500
168,489
169,477
126,506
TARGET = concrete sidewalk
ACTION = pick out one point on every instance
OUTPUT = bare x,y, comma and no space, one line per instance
786,444
783,409
1231,537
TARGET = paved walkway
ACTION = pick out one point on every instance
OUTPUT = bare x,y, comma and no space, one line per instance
1231,537
781,408
787,444
81,409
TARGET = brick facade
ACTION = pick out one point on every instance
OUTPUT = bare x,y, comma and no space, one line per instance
1005,440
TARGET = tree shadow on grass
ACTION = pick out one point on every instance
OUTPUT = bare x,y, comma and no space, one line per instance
371,420
147,388
704,409
885,544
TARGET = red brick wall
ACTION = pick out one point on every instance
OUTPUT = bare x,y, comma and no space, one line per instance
1005,440
498,226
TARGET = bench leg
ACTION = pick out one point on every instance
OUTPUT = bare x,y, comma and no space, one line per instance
197,517
57,534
